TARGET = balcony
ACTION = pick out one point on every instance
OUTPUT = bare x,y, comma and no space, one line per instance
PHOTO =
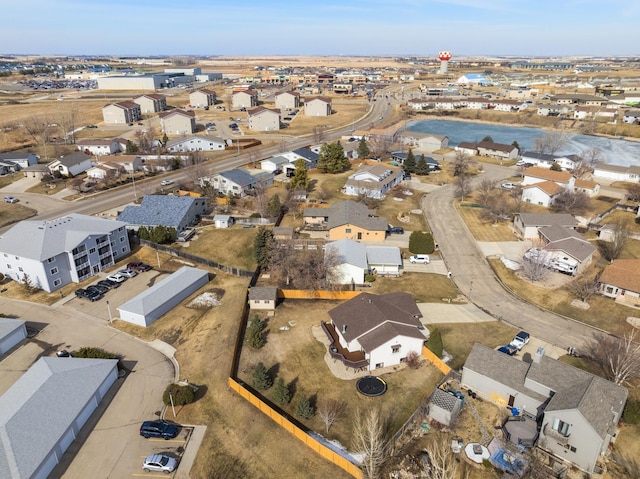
351,359
555,435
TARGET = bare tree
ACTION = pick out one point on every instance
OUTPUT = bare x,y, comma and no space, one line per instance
199,169
261,200
618,358
633,191
572,202
497,208
368,432
462,185
486,190
583,287
461,163
442,462
68,120
330,411
611,249
76,184
379,144
550,143
535,264
587,160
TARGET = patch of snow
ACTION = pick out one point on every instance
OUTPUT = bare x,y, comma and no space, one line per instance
204,301
417,211
398,199
509,264
335,446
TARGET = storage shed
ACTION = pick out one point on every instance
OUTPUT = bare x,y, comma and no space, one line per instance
12,333
223,221
43,412
162,297
263,298
445,406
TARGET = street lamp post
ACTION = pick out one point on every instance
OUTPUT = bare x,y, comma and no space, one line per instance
109,310
133,179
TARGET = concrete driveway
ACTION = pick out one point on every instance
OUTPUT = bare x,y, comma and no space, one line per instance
512,250
109,445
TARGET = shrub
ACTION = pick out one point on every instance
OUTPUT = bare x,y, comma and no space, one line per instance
434,344
369,278
413,360
421,243
631,412
181,395
97,353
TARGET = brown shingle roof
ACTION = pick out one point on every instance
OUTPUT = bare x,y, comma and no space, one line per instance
549,187
547,174
178,111
623,273
585,184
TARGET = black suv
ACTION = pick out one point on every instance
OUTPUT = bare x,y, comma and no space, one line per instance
162,429
88,294
139,266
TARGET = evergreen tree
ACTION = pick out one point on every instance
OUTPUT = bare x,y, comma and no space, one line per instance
332,158
281,393
143,233
555,166
304,409
422,168
131,148
421,243
262,247
363,149
517,145
410,163
300,179
261,378
275,206
165,139
488,138
255,338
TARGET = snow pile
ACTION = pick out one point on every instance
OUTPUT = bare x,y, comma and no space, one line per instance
205,301
512,265
335,446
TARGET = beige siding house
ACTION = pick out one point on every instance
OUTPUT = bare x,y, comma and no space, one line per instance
263,119
151,103
202,98
244,99
123,112
178,122
288,100
317,106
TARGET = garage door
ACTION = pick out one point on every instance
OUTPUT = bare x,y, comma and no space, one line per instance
86,413
47,466
67,439
104,387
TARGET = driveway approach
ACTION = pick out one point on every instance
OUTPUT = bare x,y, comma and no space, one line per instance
474,277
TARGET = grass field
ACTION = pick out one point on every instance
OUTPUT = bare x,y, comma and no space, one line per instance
231,247
13,212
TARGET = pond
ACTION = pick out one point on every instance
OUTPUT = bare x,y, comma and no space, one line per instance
614,151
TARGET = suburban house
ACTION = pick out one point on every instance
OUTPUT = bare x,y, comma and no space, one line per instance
429,142
620,280
244,99
163,296
202,98
275,163
497,150
106,170
546,184
317,106
526,224
467,148
571,413
355,260
58,252
72,164
122,113
263,298
177,212
566,246
347,220
545,160
129,163
542,193
579,99
381,329
97,146
155,163
21,160
196,143
12,333
617,173
263,119
287,100
239,181
45,409
400,157
373,181
589,188
151,102
508,105
631,117
178,122
310,157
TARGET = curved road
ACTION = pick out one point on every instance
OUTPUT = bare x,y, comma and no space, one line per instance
474,277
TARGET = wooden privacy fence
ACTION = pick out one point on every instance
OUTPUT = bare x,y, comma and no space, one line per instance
435,360
299,433
315,294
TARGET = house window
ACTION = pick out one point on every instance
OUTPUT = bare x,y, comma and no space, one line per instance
92,250
572,449
124,250
122,239
20,269
57,282
379,365
348,230
560,426
8,266
115,253
53,271
51,260
395,349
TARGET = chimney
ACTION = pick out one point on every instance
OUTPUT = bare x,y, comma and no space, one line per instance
538,356
344,328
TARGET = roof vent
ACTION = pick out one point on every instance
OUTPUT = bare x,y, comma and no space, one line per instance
344,328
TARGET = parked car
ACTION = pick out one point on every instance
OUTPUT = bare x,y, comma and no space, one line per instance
166,182
508,186
138,266
159,463
420,258
398,230
63,353
163,429
10,199
117,277
98,288
88,294
508,349
520,340
92,126
129,273
107,283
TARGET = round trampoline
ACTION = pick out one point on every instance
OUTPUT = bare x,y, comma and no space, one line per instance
371,386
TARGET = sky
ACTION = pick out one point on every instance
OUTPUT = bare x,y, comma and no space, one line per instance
551,28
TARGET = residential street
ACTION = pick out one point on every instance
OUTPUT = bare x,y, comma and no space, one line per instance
474,277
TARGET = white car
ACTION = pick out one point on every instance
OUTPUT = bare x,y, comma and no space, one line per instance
520,340
128,273
10,199
166,182
419,258
508,186
117,278
159,463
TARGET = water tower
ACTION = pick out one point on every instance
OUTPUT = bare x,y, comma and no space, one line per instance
444,59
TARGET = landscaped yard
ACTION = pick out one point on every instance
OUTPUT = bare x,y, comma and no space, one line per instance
425,288
228,246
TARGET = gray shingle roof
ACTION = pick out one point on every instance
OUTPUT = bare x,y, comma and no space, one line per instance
239,176
263,293
159,210
541,156
349,251
41,240
580,249
443,400
547,219
389,255
8,326
37,410
557,232
73,159
350,212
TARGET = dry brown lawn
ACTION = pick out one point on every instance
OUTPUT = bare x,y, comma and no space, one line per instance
14,212
626,218
425,288
483,230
